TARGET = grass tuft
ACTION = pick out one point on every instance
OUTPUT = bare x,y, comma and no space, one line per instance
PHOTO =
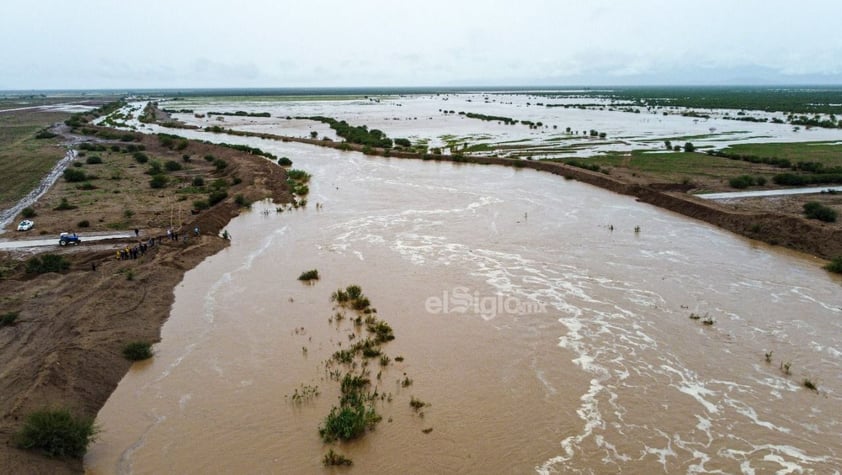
56,433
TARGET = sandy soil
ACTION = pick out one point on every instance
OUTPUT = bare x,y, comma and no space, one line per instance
65,348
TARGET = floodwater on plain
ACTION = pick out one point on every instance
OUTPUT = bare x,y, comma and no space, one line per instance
435,119
543,340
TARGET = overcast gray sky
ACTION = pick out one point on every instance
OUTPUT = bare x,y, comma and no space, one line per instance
82,44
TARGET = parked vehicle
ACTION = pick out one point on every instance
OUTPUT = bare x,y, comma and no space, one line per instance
25,225
68,238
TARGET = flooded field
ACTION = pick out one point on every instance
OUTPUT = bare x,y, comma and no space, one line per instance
436,120
547,334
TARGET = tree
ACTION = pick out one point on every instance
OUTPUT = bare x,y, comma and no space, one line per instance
689,147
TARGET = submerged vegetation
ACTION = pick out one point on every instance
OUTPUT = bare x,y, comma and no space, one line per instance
356,411
355,134
332,458
309,275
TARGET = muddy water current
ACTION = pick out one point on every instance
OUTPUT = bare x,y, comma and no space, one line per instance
542,339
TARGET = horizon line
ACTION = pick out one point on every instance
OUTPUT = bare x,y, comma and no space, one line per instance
426,89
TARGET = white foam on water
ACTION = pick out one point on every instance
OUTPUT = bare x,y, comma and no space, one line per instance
183,400
694,388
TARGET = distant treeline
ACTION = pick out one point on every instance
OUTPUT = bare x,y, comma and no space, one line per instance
498,118
250,150
355,134
242,114
804,100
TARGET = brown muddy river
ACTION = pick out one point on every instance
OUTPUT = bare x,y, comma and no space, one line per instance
543,340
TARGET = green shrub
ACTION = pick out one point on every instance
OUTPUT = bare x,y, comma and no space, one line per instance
220,164
348,422
84,224
298,175
158,181
172,166
216,196
209,158
835,265
72,175
137,351
86,186
140,157
8,319
94,159
64,205
742,181
44,134
198,181
201,204
155,168
57,433
47,263
816,210
284,162
28,212
219,184
241,201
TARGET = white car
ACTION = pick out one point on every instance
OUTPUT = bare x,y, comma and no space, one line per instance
25,225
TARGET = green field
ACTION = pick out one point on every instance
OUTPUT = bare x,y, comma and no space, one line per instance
675,167
829,153
24,160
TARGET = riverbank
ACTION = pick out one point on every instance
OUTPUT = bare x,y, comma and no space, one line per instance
65,347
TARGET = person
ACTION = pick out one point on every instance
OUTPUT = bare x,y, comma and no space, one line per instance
196,230
136,232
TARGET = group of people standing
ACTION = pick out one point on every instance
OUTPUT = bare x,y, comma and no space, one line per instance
138,250
135,251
